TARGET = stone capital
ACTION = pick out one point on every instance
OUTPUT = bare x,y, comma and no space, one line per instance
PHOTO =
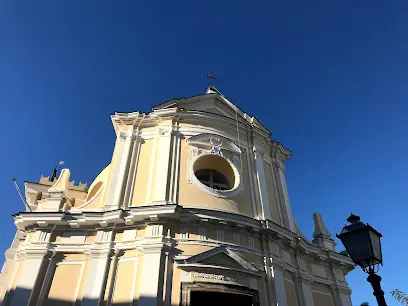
165,131
125,135
279,165
99,253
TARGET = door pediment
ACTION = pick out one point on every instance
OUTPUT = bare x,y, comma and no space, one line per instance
219,258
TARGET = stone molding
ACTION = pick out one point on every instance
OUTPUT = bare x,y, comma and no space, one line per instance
173,213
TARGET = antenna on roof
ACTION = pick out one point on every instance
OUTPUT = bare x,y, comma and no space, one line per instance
21,195
54,172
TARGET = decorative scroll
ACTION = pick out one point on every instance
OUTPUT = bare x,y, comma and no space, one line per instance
216,145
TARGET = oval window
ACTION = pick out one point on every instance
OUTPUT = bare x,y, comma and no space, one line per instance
215,172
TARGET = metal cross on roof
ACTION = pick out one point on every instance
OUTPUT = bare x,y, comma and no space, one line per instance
211,77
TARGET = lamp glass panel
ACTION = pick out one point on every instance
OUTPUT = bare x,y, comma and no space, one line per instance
358,245
376,244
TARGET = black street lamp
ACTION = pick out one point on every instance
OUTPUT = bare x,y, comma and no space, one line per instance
363,245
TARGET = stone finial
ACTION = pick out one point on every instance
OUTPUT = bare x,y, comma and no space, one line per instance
322,237
61,186
320,228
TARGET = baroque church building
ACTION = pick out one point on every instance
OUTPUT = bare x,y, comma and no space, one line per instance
193,209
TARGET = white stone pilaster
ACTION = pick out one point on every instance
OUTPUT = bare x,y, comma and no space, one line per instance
169,279
278,202
263,191
111,288
279,284
151,170
288,209
27,279
339,297
10,266
269,288
251,185
96,277
46,283
118,176
176,167
151,291
162,167
132,170
307,292
345,299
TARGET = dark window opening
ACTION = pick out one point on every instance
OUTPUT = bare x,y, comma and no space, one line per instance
201,298
213,179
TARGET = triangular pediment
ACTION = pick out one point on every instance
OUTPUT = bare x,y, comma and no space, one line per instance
220,260
222,257
212,102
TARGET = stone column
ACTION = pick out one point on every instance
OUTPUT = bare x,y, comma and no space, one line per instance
120,164
159,193
263,191
27,283
99,264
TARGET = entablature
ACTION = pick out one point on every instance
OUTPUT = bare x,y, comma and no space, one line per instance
174,213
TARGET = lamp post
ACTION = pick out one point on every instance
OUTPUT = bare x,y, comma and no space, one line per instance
363,245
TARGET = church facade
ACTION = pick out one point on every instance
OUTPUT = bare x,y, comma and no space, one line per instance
193,209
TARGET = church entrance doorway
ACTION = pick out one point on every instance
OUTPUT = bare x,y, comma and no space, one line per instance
211,294
205,298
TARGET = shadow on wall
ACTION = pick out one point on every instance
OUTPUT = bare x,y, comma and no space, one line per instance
20,296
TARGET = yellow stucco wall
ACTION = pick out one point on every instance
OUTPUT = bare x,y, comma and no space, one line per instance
96,190
322,295
175,293
66,280
124,282
114,162
261,292
322,299
291,295
90,237
193,249
143,173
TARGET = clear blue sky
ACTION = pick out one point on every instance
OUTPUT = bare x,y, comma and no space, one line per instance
328,78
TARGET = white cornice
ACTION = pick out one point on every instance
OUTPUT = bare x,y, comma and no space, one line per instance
175,213
213,267
129,120
279,152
